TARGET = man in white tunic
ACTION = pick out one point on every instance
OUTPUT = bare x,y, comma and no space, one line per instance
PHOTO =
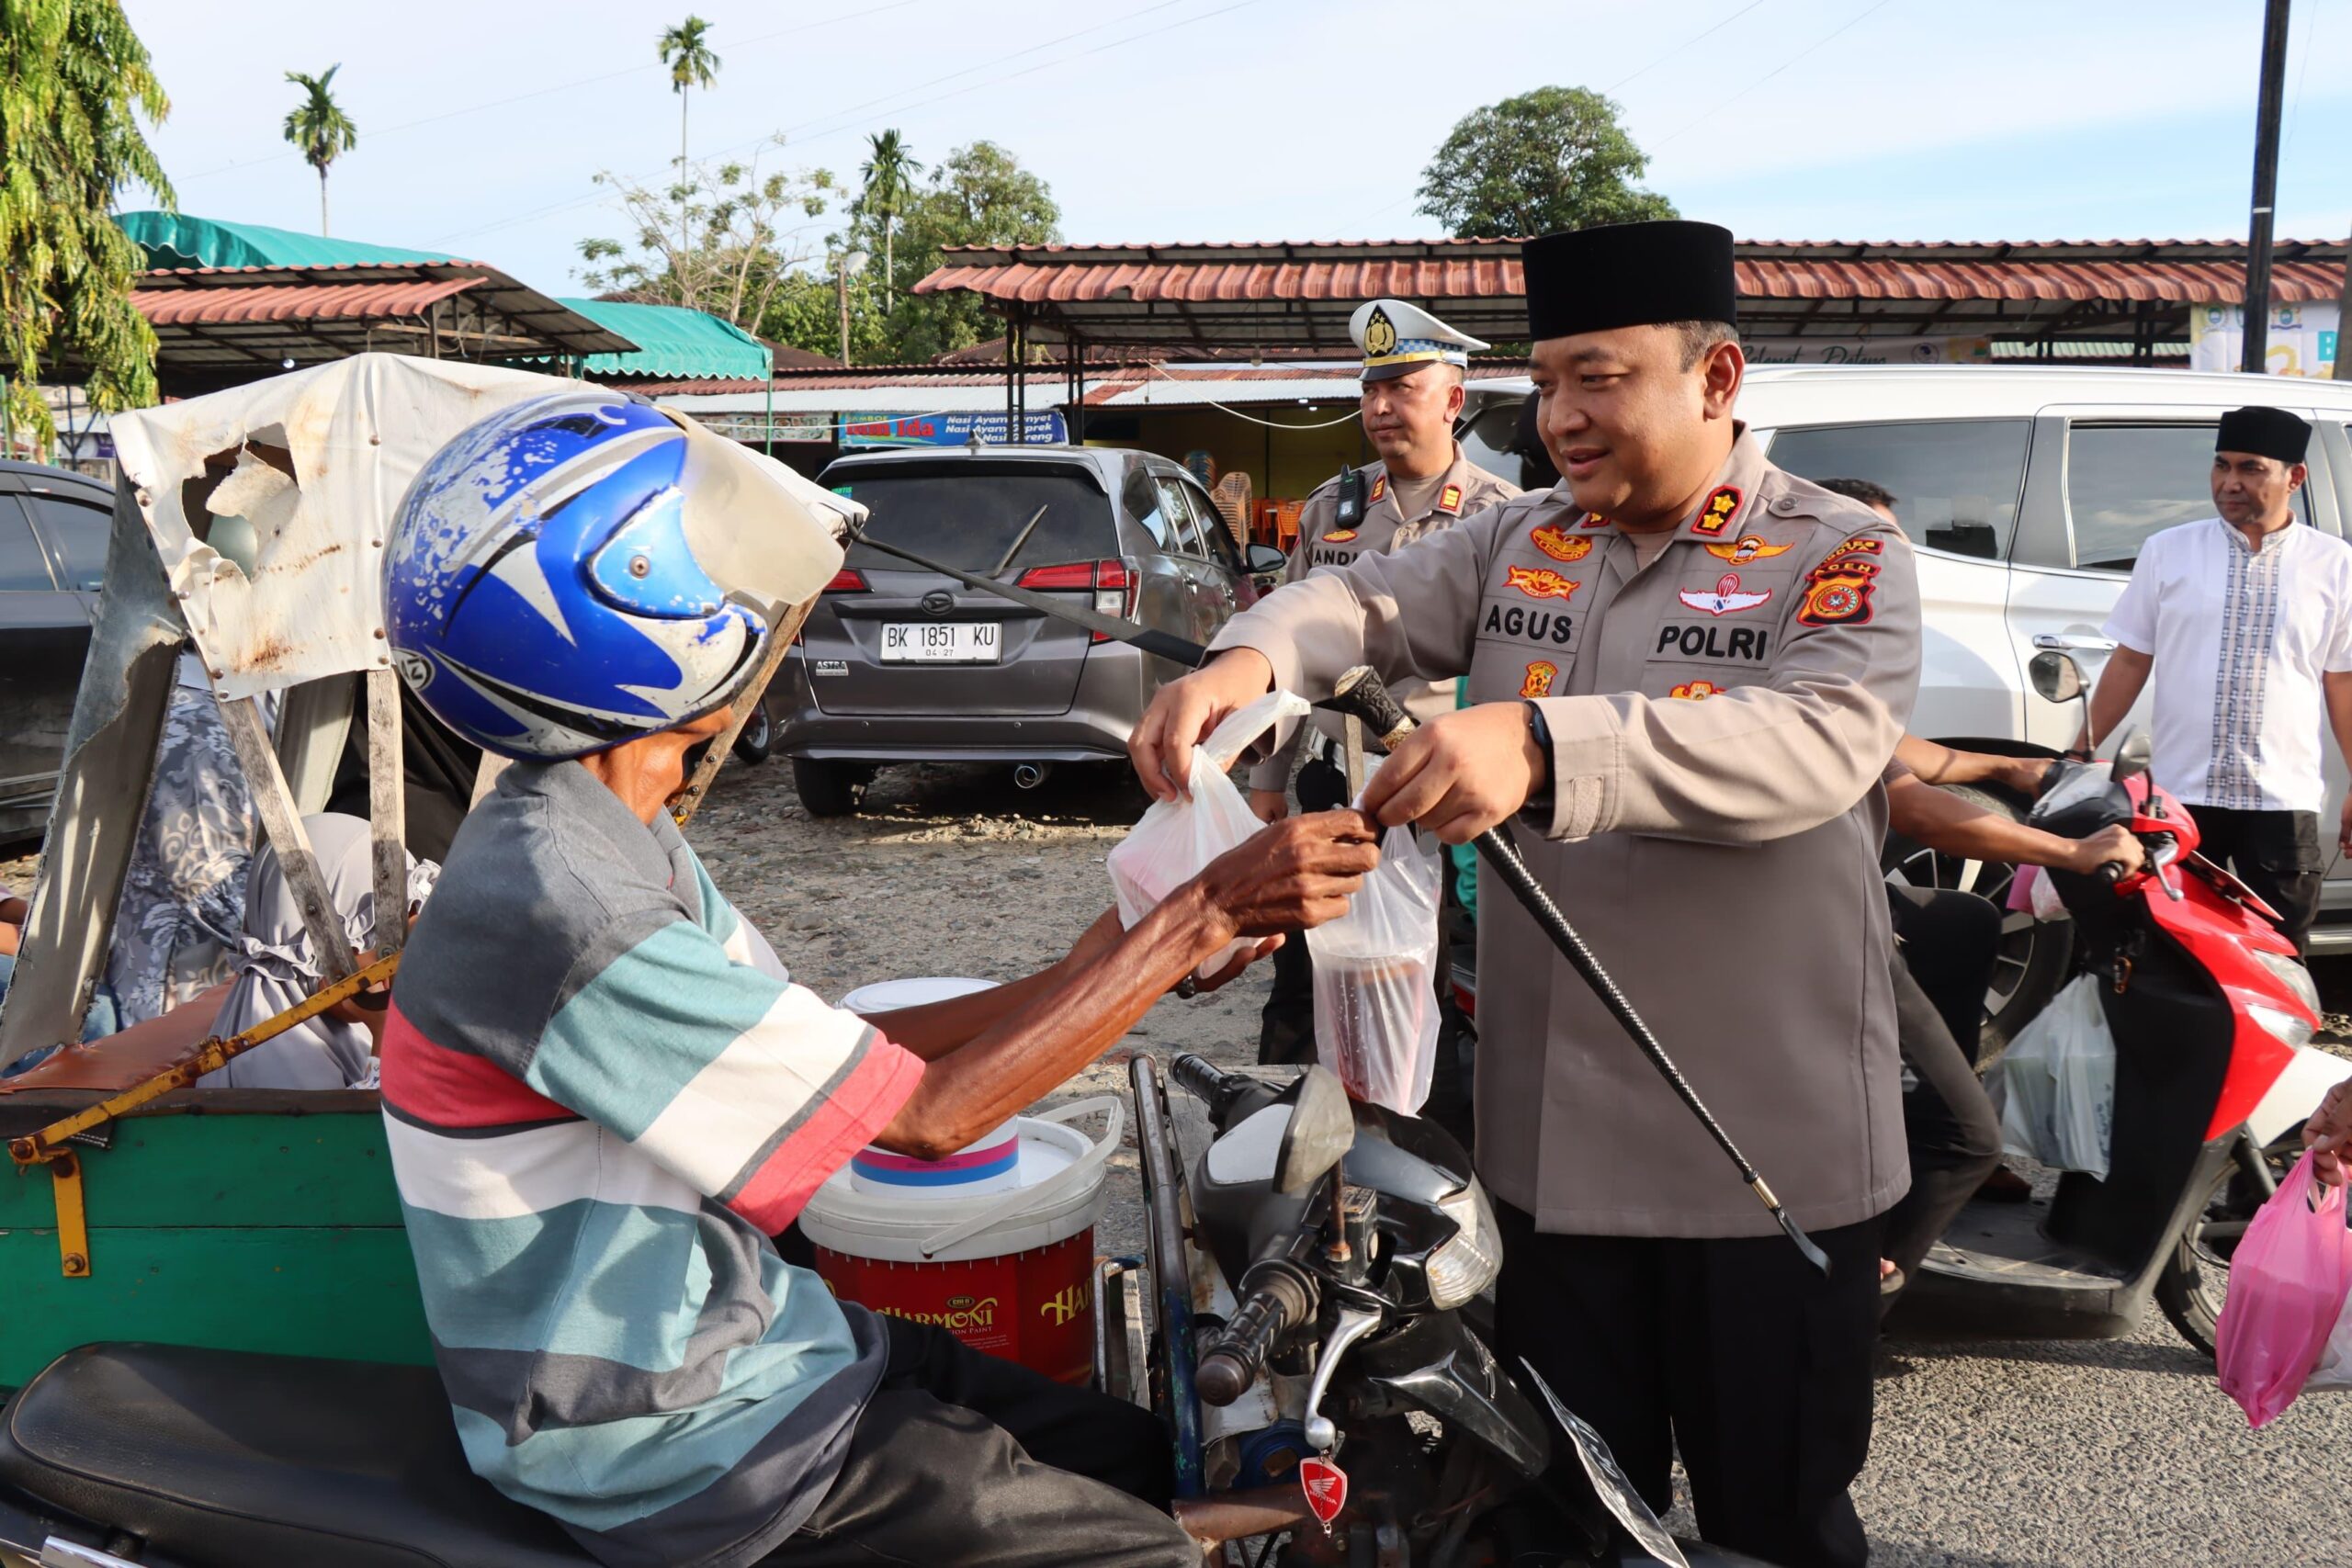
2247,622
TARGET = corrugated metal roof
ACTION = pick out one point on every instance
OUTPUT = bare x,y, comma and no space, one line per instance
293,303
1292,292
672,342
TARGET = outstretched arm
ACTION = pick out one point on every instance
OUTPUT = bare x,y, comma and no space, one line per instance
1949,825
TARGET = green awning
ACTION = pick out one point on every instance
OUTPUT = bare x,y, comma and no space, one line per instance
176,240
674,344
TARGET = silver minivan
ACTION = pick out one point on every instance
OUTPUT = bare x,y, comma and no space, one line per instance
898,664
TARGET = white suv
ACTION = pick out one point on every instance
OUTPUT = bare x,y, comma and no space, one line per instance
2028,491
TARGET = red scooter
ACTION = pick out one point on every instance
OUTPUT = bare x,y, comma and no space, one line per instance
2211,1014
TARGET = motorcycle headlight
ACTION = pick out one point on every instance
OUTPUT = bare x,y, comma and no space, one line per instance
2293,975
1468,1262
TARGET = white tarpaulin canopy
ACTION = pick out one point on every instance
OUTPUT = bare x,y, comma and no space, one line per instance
355,434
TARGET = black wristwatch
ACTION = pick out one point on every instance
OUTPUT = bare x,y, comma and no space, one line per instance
1539,730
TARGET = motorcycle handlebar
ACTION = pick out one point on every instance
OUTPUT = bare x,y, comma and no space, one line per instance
2112,871
1212,1087
1276,1299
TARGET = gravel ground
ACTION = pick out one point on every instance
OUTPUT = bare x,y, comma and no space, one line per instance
2012,1455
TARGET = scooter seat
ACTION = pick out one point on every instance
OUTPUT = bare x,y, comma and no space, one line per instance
221,1457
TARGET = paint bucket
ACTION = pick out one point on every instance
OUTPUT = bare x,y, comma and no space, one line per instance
1009,1272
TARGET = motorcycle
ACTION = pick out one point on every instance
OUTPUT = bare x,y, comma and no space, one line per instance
2211,1015
1312,1286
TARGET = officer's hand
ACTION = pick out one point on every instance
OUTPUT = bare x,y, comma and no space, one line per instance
1184,711
1460,773
2117,843
1295,873
2328,1134
1268,805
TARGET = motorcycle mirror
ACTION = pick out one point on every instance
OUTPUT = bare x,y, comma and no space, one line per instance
2056,676
2131,756
1322,1129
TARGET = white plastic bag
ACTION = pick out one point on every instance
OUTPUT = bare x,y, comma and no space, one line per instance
1375,980
1175,839
2060,1081
2335,1368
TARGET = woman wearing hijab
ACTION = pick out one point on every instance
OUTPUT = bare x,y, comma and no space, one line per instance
277,966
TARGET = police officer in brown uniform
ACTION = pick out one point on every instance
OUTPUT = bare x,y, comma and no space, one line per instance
1413,366
1688,670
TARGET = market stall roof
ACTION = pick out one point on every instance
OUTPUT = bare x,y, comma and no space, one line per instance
231,302
1300,293
179,239
673,343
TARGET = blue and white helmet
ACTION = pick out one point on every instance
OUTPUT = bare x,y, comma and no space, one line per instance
582,569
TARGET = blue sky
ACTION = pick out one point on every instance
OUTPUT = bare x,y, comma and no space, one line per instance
1236,120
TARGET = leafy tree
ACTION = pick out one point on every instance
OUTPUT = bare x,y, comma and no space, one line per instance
74,82
1548,160
722,240
319,128
980,196
890,175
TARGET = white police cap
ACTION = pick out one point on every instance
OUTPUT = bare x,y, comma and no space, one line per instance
1398,339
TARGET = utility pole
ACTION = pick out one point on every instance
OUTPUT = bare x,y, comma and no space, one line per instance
2266,187
851,261
2344,317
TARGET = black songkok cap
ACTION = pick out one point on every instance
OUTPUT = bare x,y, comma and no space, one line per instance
2265,432
1628,274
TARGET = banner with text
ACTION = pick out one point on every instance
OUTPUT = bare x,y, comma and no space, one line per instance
2301,340
950,429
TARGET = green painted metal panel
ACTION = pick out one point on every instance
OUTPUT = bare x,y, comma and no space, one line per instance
177,240
276,1230
215,1171
349,1293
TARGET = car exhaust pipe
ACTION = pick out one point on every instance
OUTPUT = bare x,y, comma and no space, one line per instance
1029,775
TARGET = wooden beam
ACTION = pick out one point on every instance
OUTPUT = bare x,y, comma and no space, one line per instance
387,811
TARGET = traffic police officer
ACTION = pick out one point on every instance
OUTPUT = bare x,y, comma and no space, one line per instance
1688,670
1413,366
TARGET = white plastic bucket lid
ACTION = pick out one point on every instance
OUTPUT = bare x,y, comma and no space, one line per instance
1060,1194
883,996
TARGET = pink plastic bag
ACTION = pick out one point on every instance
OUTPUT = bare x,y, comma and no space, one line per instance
2287,1283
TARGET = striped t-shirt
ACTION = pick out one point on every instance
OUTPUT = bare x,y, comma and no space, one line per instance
600,1109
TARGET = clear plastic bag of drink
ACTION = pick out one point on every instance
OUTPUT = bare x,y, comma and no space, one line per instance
1174,841
1375,980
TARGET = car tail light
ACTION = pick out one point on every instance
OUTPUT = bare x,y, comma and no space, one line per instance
847,581
1114,582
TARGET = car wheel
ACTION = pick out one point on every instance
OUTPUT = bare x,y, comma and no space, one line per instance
2034,955
828,789
757,736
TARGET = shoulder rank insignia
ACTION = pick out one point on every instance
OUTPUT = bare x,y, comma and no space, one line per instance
1559,544
1449,500
1540,582
1379,488
1593,520
1540,675
1748,547
1339,535
1838,594
1721,508
1696,690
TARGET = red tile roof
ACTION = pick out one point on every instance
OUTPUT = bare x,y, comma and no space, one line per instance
294,301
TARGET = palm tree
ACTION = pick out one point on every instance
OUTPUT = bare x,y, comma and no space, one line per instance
319,128
685,50
889,181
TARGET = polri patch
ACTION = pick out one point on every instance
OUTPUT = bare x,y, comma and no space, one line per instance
1540,675
1339,535
1748,547
1716,514
1838,594
1712,642
1696,690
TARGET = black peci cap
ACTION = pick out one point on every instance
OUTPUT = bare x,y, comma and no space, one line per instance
2265,432
1628,274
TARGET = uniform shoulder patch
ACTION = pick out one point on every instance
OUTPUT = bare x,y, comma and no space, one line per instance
1449,500
1696,690
1537,683
1858,545
1339,535
1746,549
1720,509
1838,594
1593,520
1379,488
1540,582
